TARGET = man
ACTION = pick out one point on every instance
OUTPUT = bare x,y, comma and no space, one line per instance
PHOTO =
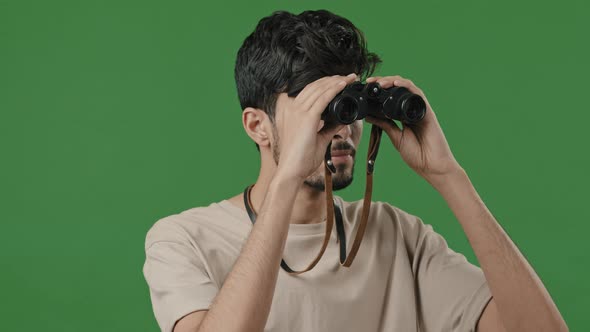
213,269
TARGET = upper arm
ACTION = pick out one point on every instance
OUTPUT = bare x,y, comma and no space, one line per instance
178,281
190,322
452,292
490,319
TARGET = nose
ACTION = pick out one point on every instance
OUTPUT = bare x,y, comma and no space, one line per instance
345,132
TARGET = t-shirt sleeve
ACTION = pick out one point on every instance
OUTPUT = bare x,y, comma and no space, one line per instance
452,293
178,281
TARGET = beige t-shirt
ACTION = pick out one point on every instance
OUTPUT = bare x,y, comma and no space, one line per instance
403,279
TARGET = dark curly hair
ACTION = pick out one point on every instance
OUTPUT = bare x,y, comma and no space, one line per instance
286,52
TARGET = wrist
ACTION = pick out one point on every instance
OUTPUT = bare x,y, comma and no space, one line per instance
441,180
284,180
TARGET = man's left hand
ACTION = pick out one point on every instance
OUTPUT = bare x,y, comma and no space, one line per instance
422,146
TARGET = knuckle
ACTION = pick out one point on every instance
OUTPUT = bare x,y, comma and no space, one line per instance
298,104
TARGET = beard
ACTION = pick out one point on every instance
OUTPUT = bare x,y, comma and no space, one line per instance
340,180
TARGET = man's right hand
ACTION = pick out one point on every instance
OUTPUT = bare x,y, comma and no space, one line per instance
303,135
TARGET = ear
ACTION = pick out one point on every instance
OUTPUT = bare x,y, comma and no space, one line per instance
257,125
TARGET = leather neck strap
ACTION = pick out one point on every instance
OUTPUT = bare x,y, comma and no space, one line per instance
345,260
339,233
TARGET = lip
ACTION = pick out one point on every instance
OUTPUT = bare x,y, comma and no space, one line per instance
341,153
341,159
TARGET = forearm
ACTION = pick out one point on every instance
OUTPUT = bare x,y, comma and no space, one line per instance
523,302
244,301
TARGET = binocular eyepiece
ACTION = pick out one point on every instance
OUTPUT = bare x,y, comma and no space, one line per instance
358,100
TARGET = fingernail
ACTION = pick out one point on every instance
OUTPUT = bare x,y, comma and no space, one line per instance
352,75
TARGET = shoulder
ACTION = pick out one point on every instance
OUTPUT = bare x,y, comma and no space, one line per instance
195,224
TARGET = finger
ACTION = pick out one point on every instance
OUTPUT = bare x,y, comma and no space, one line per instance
325,97
388,81
311,87
408,84
320,89
320,125
372,79
310,92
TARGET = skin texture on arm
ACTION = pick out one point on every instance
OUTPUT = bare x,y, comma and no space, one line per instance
190,322
523,303
244,300
490,319
520,301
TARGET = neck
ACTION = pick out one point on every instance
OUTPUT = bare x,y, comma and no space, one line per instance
309,206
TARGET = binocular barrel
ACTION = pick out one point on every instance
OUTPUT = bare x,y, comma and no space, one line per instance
358,100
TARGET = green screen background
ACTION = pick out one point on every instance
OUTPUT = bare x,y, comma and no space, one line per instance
118,113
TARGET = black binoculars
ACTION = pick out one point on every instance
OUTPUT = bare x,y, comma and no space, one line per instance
358,100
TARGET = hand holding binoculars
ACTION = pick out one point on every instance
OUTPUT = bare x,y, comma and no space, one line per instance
358,100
